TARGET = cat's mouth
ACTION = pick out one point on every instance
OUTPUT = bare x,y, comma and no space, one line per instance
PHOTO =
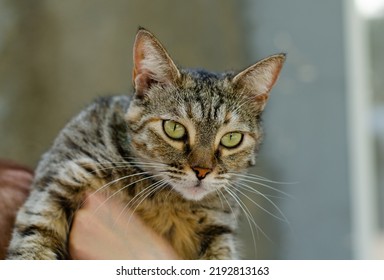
193,190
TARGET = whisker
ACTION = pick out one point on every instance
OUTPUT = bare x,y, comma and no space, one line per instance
284,219
255,191
148,164
261,178
219,192
123,164
169,191
126,186
119,179
226,200
266,186
152,190
144,193
135,159
110,183
248,213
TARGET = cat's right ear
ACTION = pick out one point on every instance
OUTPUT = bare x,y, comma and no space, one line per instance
152,64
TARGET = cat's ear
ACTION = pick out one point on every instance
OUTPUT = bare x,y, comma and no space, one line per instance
257,80
152,64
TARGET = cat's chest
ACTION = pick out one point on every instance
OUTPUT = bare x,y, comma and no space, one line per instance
180,224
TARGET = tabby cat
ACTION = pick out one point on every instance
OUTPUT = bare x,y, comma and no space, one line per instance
173,152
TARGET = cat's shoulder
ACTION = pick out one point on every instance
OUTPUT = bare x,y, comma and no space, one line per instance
102,112
115,102
94,125
103,108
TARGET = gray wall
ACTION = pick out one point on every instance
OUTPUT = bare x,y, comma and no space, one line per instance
306,124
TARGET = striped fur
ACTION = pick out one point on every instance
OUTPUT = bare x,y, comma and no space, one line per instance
118,145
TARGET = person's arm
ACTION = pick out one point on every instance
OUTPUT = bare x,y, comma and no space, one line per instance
15,181
100,231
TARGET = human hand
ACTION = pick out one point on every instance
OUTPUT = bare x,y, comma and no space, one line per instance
102,229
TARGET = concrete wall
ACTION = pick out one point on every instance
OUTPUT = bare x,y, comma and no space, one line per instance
306,124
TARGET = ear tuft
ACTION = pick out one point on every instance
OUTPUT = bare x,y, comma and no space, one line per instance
152,64
257,80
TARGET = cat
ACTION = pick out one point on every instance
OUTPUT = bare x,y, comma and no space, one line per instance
173,152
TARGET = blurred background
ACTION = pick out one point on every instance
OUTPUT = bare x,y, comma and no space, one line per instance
324,144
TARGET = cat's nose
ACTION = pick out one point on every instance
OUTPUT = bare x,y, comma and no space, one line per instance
201,172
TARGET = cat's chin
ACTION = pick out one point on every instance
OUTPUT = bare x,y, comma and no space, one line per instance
194,193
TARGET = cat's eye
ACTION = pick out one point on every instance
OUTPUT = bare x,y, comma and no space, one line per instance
231,139
174,129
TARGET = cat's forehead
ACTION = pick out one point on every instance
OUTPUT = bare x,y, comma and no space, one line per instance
204,75
204,99
202,80
208,99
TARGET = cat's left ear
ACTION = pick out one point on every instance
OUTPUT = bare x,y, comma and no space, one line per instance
152,64
257,80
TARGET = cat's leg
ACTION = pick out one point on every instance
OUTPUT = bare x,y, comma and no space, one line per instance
42,224
218,243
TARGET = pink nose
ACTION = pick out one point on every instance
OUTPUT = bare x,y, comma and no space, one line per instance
201,173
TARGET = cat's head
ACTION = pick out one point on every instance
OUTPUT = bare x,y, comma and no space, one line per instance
195,129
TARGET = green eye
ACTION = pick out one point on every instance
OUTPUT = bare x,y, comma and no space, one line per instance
174,130
231,140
